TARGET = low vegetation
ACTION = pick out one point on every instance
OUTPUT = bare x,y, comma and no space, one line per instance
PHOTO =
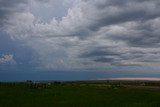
79,94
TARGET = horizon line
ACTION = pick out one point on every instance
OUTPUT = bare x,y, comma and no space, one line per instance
132,78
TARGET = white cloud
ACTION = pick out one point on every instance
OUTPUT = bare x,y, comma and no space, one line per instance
7,59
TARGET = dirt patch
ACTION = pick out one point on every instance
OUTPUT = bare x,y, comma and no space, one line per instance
142,87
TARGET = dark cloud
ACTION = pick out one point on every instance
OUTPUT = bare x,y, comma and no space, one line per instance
132,55
102,55
104,60
43,1
114,12
115,32
140,36
98,52
9,7
144,41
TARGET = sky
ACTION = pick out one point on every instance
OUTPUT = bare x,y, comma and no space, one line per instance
79,39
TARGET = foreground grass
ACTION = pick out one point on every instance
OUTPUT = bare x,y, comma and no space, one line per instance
21,95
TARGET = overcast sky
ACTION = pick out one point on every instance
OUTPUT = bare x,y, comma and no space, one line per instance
79,39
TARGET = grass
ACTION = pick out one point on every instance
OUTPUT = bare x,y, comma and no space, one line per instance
21,95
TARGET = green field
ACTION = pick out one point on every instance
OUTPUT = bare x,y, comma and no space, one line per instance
76,95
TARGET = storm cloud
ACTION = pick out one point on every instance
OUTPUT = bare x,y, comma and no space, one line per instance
8,8
90,34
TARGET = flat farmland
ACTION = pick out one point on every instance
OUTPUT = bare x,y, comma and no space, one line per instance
78,94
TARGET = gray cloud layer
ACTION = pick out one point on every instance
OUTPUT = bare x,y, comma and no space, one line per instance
7,8
93,34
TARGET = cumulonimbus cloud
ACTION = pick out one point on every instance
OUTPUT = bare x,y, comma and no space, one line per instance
94,33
